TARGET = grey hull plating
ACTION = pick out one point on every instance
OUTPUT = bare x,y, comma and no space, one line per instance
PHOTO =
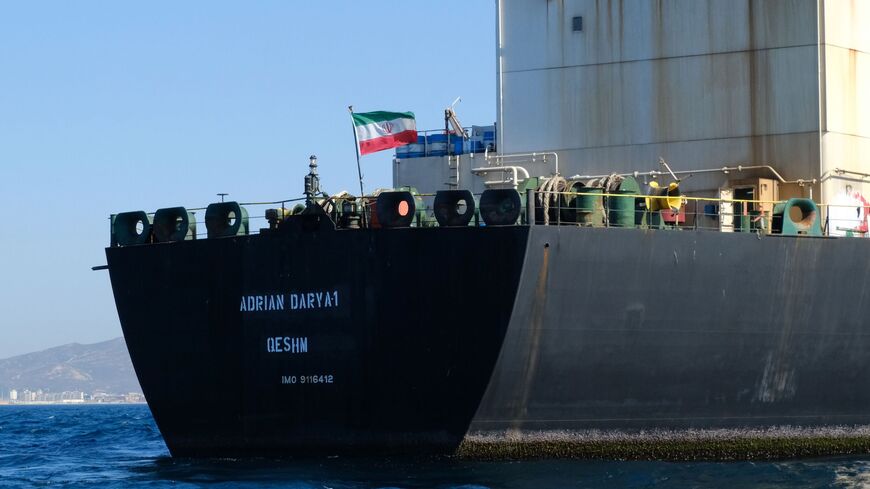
442,333
630,330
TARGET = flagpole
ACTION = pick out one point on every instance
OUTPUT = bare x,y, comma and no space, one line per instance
358,166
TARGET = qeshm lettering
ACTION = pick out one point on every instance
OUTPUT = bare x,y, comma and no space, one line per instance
286,344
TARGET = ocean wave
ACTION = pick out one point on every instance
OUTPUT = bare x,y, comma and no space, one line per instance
120,446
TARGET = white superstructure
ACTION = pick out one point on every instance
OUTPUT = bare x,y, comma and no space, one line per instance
612,85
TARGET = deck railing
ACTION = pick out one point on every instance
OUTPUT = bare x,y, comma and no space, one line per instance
605,210
695,213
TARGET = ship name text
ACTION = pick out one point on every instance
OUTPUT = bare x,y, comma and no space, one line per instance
293,301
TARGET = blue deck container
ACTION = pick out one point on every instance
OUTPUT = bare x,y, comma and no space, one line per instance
437,144
413,150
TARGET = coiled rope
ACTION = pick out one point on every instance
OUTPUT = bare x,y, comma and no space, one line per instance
548,194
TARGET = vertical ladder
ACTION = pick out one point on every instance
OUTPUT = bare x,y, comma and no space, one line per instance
453,172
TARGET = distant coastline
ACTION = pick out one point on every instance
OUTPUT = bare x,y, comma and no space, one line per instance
82,403
98,373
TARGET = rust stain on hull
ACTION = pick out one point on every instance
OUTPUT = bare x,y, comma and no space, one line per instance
537,324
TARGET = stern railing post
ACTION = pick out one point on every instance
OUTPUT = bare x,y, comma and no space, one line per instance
530,207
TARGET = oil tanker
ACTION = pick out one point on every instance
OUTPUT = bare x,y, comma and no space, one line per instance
563,303
363,329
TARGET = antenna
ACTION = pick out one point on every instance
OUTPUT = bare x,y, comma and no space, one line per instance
222,195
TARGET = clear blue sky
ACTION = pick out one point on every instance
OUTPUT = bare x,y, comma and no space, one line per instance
114,106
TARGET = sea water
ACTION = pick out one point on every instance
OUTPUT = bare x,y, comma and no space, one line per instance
119,446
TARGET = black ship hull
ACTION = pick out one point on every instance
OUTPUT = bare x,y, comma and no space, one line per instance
409,340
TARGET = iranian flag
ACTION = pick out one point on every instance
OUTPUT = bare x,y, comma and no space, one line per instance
377,131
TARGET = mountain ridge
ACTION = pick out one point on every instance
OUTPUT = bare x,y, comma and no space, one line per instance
103,366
